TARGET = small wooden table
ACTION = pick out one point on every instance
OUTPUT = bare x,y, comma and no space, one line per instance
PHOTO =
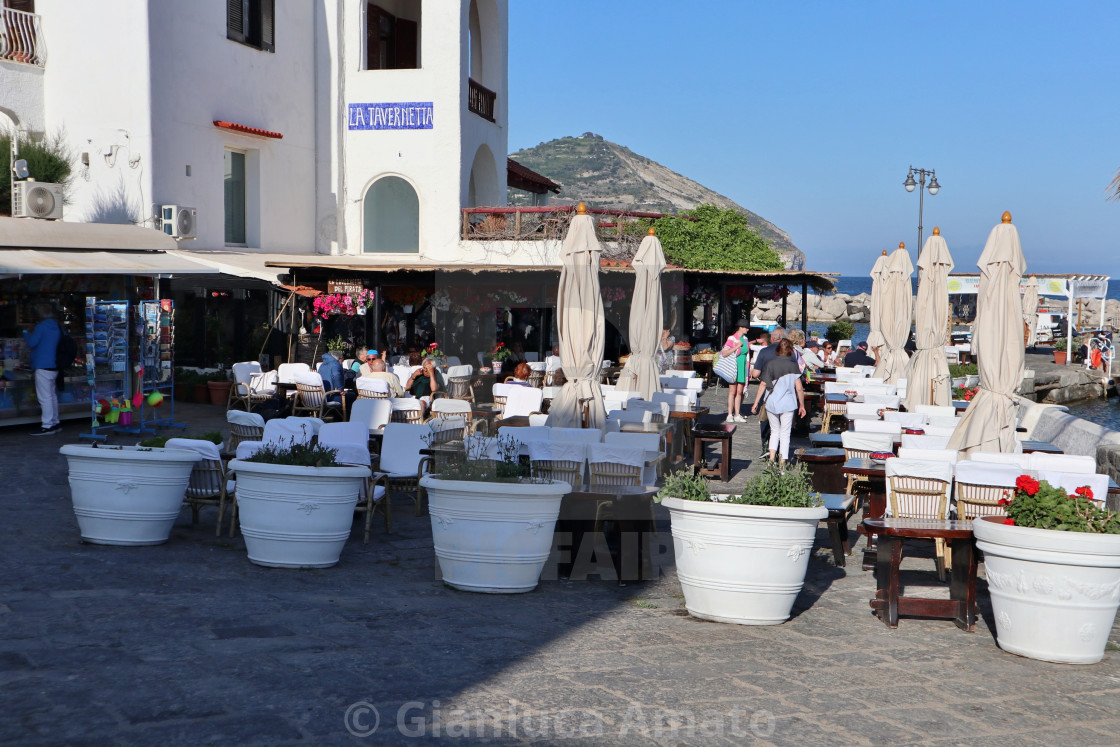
840,507
692,414
889,603
825,465
631,541
720,434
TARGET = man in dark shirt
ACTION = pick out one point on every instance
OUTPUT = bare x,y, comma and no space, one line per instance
859,357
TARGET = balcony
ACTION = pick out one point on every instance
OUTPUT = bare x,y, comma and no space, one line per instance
480,100
21,38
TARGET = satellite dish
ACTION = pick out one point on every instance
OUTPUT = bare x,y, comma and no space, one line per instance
20,169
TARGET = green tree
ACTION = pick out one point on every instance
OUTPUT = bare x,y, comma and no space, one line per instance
48,160
715,238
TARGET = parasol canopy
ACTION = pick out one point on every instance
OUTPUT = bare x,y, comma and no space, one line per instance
642,372
927,374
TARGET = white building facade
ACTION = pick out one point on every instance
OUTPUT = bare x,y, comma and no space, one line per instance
295,127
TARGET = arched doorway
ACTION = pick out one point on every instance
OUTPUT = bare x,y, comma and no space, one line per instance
391,217
483,186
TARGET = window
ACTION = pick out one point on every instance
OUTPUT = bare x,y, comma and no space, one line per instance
252,22
392,42
235,197
391,217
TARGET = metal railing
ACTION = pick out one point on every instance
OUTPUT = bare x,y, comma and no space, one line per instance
21,38
621,230
480,100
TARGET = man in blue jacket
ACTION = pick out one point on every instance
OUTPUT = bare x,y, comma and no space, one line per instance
333,378
43,341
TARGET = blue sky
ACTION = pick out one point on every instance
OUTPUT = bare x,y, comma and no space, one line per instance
809,113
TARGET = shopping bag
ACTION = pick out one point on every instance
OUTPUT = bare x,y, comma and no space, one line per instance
727,368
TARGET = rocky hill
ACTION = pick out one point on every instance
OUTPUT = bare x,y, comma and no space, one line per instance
608,175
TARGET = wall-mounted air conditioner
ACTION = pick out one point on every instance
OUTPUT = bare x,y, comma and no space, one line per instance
179,222
34,199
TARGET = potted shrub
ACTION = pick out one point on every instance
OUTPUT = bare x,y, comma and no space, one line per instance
492,523
218,385
296,505
1060,347
1053,570
743,558
127,495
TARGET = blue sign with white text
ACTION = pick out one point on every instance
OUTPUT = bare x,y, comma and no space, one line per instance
413,115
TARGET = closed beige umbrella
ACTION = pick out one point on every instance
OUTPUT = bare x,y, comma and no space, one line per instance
579,320
1030,310
897,308
997,337
927,375
642,372
878,276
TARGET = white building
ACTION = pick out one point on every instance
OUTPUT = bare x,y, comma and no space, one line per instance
295,127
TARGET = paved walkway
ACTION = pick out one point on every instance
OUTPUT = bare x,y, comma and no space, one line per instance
189,643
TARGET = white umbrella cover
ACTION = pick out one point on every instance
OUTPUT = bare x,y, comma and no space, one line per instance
928,369
896,310
642,372
878,275
1030,310
579,320
997,337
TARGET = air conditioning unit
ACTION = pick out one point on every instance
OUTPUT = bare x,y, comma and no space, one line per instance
34,199
179,222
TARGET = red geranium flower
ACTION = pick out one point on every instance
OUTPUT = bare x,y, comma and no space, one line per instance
1085,492
1003,502
1009,521
1027,484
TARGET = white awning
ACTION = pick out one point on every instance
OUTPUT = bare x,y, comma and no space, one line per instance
14,262
31,233
240,264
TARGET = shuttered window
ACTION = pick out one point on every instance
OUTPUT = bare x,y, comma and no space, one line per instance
252,22
392,43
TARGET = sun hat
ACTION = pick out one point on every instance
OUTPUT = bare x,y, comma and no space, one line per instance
745,323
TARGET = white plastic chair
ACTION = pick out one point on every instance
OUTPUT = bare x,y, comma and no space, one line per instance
372,413
522,400
1062,463
650,443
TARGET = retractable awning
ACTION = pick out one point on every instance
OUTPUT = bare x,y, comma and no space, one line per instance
15,262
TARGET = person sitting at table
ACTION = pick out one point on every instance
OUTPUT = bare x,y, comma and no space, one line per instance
859,356
521,374
424,382
334,379
414,358
828,355
811,355
376,369
361,355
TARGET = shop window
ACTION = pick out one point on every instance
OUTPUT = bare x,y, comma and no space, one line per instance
235,184
391,217
252,22
392,39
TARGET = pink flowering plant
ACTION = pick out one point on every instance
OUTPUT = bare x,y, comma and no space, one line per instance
344,304
1039,505
432,351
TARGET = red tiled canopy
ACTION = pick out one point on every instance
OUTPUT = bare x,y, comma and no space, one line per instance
246,129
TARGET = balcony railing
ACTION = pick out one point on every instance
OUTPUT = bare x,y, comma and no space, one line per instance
621,231
480,100
21,38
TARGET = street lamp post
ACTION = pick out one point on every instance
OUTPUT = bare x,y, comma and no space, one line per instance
934,188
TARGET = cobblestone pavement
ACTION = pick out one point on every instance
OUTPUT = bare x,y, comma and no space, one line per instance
189,643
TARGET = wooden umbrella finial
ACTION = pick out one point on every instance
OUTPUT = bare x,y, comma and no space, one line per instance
581,209
652,231
1006,216
902,245
936,231
884,252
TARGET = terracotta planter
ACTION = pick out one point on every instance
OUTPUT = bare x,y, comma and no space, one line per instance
1060,357
201,394
219,392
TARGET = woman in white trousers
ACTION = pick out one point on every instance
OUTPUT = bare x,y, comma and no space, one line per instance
781,379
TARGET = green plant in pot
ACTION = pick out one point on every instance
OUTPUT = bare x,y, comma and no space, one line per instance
338,347
1053,569
743,558
492,523
158,442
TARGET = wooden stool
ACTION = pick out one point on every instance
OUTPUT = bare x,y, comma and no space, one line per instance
889,603
826,466
719,434
840,507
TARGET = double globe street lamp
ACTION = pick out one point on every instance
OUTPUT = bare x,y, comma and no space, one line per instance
934,188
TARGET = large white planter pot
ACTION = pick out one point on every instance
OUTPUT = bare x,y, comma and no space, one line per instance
493,537
741,564
296,517
126,495
1054,594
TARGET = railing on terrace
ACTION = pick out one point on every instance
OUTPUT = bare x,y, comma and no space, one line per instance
621,231
21,38
480,99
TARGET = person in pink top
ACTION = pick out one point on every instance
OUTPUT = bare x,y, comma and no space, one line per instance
737,346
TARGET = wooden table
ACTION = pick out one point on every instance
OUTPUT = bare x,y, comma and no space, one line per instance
889,602
826,467
876,505
720,434
631,536
692,414
840,507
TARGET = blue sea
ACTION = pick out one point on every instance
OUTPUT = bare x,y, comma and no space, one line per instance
856,284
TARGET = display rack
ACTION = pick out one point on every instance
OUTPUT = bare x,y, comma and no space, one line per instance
106,356
156,335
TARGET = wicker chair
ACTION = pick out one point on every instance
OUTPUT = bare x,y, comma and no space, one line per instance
558,460
913,493
370,388
459,383
400,465
860,446
313,400
406,410
979,486
243,427
251,386
208,482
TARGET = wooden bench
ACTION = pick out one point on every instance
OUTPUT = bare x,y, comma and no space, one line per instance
840,508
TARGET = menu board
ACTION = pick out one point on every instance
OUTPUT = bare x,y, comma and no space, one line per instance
156,327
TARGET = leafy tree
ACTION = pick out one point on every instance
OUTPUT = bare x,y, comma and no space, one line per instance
715,238
48,160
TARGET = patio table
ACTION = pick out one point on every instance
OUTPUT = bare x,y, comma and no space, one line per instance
691,414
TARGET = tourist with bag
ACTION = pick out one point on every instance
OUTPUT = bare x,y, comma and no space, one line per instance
737,349
781,377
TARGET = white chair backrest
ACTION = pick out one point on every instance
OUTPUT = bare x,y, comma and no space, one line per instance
540,418
883,400
552,362
867,441
682,401
937,411
249,419
573,451
309,378
205,449
350,440
372,413
939,430
613,403
458,370
925,442
246,449
692,396
536,366
449,423
877,426
863,408
453,362
286,372
631,416
525,435
315,424
651,442
626,394
929,455
930,470
374,385
550,391
869,379
444,405
584,435
283,432
987,473
522,400
532,357
657,408
242,372
1071,481
502,390
405,403
1063,463
907,419
878,390
631,456
674,382
1022,461
400,447
837,387
943,421
404,373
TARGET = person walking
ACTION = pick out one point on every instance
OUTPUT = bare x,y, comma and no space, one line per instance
43,341
757,367
782,378
737,346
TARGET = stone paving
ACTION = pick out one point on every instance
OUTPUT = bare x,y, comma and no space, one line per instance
189,643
